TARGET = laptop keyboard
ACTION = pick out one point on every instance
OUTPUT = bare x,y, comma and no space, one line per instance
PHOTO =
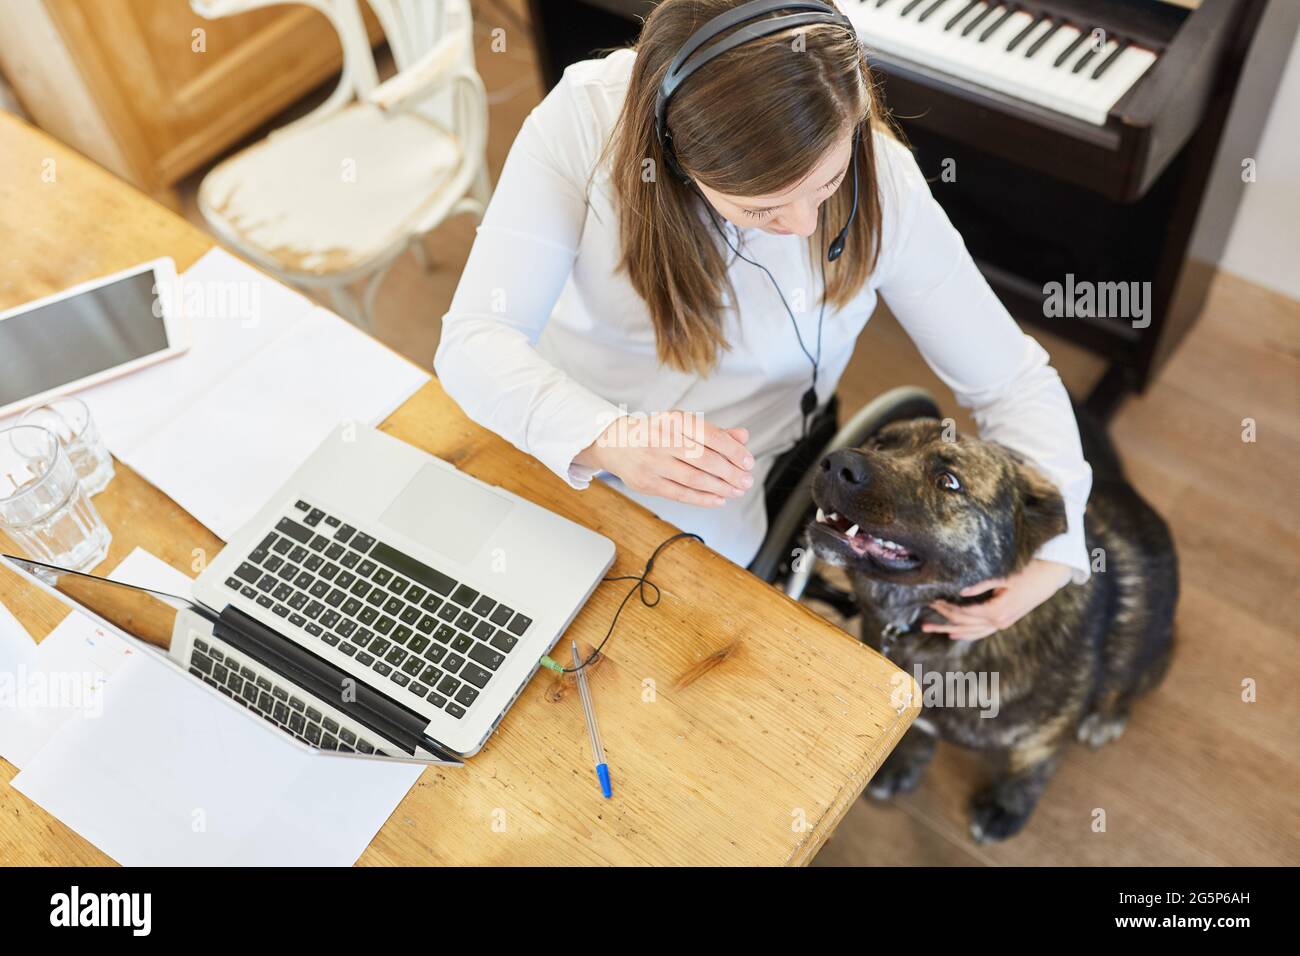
428,633
263,695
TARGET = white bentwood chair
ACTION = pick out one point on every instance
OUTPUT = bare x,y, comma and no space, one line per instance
335,197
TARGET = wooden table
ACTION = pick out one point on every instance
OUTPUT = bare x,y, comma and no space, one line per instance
739,726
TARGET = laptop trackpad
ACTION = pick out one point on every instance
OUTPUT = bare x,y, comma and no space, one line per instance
444,511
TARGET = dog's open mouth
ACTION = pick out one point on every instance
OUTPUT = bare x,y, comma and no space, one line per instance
888,554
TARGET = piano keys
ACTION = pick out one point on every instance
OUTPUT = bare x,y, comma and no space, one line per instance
1078,69
1079,89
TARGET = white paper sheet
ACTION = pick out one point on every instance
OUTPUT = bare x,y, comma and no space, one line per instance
17,658
224,456
207,785
15,643
267,376
237,313
234,312
62,678
146,570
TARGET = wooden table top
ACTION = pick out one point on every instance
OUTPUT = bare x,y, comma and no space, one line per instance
739,726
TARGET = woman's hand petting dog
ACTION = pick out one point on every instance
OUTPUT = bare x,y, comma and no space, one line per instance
1014,597
674,455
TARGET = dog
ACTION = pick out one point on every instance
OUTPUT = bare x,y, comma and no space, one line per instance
917,514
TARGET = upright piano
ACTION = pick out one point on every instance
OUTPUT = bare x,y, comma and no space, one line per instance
1070,141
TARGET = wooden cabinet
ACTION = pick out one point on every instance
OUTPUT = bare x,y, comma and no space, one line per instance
134,85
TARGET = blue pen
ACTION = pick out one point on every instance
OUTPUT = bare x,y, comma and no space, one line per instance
597,751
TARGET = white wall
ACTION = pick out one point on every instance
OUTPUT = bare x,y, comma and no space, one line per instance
1264,245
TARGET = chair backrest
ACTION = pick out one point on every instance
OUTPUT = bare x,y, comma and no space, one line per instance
414,26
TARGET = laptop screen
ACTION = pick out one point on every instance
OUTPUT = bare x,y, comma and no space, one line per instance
303,704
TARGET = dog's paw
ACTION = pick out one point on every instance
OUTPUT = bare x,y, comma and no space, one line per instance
893,780
992,819
1095,729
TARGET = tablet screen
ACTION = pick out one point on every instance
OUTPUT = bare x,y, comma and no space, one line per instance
74,338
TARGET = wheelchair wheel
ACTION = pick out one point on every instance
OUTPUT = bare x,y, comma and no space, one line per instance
786,559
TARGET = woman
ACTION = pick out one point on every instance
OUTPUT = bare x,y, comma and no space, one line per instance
619,275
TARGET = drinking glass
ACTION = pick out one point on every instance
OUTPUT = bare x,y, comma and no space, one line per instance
43,507
69,418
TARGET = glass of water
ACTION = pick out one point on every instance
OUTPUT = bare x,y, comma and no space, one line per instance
70,420
43,507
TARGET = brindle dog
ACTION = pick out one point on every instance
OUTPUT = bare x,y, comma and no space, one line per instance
914,517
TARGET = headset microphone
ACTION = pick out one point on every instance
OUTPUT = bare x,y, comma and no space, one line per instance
837,244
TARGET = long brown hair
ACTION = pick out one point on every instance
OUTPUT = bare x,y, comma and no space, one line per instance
751,122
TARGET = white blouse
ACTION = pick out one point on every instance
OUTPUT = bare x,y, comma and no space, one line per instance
546,342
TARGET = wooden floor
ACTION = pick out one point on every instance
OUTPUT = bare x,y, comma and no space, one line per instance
1200,777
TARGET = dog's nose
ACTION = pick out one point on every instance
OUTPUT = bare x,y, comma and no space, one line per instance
847,465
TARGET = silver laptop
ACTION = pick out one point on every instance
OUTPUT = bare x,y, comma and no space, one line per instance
392,595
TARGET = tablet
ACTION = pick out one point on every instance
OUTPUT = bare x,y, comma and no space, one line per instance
90,333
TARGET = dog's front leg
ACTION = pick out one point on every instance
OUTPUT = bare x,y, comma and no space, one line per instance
1004,807
902,769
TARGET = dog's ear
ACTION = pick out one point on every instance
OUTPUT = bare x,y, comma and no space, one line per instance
1040,512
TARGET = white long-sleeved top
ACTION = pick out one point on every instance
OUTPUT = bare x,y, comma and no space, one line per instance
547,342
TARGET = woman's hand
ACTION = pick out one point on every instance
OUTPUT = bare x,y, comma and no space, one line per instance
675,455
1016,596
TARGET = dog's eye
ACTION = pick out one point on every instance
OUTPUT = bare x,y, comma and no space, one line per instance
947,481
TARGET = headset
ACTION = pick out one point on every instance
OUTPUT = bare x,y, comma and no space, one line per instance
753,22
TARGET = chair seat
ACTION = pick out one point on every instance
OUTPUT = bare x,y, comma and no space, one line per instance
332,196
